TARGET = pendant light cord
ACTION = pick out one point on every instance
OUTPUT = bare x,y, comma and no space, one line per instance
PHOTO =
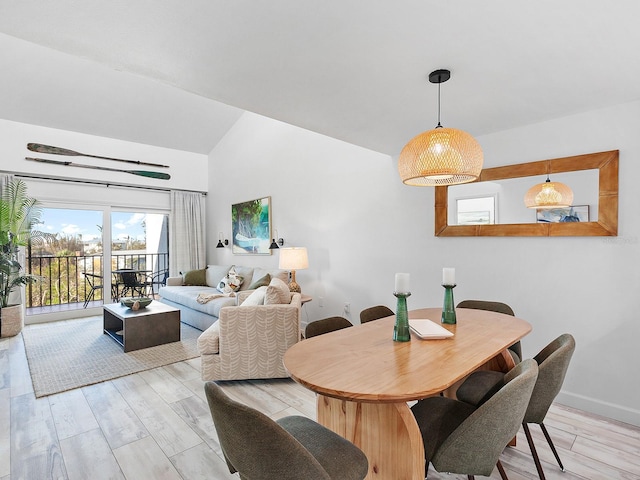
439,83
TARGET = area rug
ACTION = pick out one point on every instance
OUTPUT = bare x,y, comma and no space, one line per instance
75,353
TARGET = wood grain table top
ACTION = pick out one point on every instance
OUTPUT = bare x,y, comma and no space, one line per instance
363,363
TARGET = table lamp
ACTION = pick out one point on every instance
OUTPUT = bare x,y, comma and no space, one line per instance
292,259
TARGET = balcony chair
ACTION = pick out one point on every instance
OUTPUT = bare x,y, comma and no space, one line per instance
155,281
553,361
130,284
461,438
374,313
516,349
95,283
290,448
326,325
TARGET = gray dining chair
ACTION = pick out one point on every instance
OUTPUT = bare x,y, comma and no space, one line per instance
290,448
499,307
553,361
374,313
461,438
326,325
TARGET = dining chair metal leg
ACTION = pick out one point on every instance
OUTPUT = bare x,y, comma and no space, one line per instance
553,447
534,453
503,474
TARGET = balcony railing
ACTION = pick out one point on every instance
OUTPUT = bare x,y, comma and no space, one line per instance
63,280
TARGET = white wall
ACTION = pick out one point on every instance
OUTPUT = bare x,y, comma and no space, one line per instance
361,225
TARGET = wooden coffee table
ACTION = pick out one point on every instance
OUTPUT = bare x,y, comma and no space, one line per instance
156,324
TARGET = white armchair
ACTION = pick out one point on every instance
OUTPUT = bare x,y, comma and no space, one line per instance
249,342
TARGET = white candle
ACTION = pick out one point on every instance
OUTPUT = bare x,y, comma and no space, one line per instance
402,283
448,276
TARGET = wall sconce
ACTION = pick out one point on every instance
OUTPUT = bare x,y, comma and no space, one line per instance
221,242
276,242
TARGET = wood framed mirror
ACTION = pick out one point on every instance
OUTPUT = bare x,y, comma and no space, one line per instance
606,165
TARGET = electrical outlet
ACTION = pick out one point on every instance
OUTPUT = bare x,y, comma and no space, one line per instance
347,308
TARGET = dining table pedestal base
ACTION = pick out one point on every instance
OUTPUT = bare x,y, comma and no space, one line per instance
387,433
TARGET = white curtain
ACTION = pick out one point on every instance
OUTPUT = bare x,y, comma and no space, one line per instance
187,232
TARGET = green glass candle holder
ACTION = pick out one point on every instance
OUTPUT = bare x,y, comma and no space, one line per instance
401,328
448,309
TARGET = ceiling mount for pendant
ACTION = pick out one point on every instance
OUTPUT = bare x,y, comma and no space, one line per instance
442,156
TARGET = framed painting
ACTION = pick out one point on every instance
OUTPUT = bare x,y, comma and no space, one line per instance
251,227
575,213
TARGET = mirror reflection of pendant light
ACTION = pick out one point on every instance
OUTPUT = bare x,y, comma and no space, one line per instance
549,195
442,156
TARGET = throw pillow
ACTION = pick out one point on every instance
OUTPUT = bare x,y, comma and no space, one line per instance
196,277
277,293
231,282
261,282
256,298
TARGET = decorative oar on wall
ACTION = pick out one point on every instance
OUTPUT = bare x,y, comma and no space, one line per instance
38,147
141,173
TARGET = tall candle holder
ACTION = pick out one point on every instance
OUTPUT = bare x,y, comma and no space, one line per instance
448,309
401,328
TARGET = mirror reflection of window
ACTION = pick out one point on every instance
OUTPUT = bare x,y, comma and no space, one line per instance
476,210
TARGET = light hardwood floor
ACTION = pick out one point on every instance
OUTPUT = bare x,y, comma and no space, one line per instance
156,425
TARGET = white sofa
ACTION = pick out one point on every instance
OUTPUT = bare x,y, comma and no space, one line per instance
203,315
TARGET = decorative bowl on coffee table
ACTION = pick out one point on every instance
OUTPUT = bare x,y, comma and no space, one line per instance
130,301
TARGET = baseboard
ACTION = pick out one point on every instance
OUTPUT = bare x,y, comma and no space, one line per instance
598,407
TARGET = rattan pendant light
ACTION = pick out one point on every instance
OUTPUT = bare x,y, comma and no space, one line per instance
442,156
549,195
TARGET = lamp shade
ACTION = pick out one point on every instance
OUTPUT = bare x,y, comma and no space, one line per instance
549,195
442,156
293,258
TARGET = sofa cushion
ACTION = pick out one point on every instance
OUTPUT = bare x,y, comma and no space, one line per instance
215,273
231,282
258,273
277,293
256,298
261,282
247,274
187,296
195,277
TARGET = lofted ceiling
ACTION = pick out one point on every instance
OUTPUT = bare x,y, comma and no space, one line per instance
178,74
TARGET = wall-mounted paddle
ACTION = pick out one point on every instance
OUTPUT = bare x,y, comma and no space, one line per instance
37,147
141,173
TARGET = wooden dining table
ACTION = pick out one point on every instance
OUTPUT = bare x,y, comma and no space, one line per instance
364,379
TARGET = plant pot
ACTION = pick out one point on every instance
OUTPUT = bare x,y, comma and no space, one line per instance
11,320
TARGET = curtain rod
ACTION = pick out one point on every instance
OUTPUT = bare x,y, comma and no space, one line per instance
97,182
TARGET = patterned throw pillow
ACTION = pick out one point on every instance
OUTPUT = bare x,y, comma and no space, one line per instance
277,293
231,282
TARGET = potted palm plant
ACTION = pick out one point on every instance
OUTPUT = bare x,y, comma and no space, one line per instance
19,213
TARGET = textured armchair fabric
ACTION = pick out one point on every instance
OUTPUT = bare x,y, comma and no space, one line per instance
292,448
499,307
249,342
460,438
326,325
374,313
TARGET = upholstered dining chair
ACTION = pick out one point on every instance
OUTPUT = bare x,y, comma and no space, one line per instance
462,438
326,325
374,313
290,448
553,361
498,307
